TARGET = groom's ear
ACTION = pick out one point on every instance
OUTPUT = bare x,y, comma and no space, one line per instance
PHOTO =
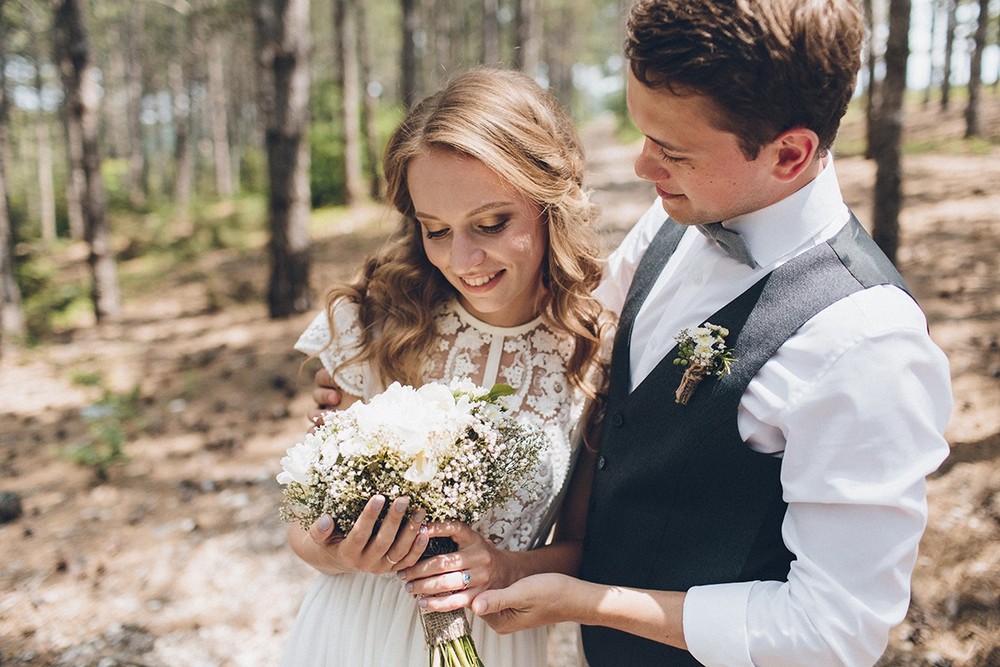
793,151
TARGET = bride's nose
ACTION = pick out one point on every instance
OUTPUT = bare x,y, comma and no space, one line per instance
466,253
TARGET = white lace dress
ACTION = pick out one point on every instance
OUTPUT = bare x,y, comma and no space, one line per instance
366,620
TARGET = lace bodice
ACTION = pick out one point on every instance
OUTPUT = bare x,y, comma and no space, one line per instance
531,358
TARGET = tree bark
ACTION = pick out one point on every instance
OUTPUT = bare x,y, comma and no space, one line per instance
408,72
346,27
46,181
136,173
376,185
932,42
491,32
283,44
11,311
871,94
527,22
972,125
219,116
949,46
888,132
81,97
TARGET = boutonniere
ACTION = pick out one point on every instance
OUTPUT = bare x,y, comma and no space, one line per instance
703,351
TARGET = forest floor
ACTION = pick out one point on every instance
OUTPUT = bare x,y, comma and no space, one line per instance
178,556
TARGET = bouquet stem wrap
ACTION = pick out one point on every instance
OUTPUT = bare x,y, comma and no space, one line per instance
448,633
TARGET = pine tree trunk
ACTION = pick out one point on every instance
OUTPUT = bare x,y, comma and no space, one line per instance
179,77
283,45
932,43
408,72
949,46
491,32
871,94
11,311
46,181
972,125
376,186
888,132
220,116
528,36
81,98
346,27
136,173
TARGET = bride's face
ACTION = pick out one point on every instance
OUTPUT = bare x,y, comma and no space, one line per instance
486,238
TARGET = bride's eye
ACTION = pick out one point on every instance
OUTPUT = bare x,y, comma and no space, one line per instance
435,233
497,227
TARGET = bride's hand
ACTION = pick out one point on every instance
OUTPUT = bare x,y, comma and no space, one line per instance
451,581
393,547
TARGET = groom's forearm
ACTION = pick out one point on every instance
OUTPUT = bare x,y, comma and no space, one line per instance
655,615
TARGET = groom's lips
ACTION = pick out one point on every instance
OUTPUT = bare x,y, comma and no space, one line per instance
663,194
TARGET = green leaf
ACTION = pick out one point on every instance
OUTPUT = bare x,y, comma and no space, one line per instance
499,390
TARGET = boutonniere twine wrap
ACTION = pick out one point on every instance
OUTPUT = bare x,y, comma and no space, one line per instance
703,352
453,449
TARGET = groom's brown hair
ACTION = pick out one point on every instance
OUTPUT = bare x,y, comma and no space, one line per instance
767,65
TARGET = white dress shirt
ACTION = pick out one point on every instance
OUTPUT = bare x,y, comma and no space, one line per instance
856,403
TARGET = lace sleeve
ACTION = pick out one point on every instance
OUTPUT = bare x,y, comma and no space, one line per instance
333,349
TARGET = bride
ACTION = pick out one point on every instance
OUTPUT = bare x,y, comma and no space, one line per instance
489,279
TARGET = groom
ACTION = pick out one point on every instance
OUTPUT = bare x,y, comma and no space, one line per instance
774,516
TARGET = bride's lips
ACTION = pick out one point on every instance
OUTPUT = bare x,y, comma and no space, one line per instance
483,282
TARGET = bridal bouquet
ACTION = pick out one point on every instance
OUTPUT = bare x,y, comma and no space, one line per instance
453,449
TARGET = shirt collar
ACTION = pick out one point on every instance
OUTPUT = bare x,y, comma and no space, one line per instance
806,217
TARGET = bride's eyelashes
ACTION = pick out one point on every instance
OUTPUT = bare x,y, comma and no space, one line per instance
495,227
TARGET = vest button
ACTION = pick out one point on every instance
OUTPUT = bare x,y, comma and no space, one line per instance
601,462
618,419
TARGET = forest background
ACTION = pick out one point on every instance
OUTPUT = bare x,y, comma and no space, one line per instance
181,179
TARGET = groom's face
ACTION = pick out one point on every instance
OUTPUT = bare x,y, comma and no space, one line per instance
700,173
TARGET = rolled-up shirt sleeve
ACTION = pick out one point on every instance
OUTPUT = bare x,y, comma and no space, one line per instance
861,397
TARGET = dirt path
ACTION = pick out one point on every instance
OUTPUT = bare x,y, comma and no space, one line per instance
179,558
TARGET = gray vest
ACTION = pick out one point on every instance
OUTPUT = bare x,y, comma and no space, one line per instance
678,499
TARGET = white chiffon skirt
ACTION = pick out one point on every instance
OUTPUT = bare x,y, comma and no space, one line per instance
365,620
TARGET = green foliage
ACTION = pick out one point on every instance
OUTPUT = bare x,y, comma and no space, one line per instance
326,172
110,423
48,302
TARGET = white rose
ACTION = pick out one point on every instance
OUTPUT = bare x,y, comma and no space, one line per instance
298,462
421,470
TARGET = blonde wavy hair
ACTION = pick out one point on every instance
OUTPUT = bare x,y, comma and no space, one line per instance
505,120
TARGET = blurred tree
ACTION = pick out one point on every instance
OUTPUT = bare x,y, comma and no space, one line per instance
528,36
950,7
410,21
346,31
972,125
369,104
11,311
887,134
283,45
81,119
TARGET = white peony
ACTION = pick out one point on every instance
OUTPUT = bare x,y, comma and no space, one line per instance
298,461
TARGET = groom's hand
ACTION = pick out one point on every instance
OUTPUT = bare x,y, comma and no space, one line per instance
528,603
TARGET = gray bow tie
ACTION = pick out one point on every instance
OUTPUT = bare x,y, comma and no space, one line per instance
730,241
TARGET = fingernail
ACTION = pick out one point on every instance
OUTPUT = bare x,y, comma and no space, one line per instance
409,586
400,504
418,516
422,602
422,540
325,522
401,574
377,502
